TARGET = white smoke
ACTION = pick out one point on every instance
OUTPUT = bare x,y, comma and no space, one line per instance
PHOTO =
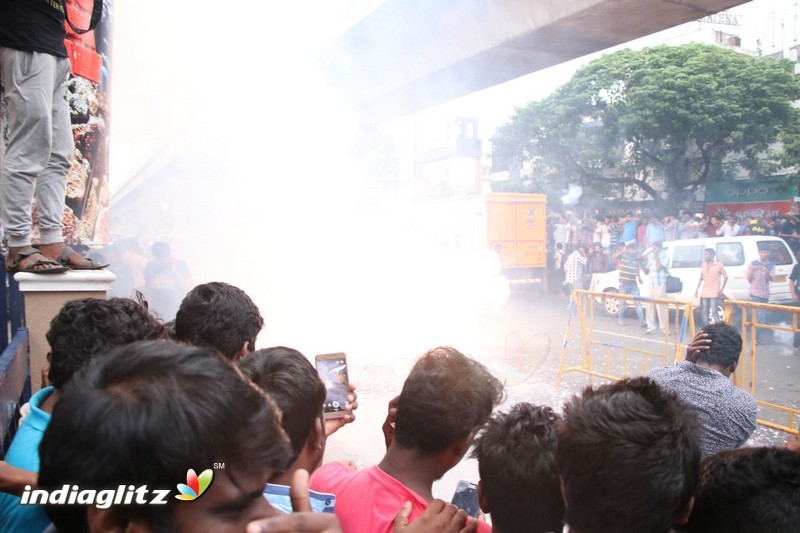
572,195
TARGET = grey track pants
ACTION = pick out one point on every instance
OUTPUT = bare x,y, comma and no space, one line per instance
39,147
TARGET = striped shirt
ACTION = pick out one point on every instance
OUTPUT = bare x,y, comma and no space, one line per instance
629,264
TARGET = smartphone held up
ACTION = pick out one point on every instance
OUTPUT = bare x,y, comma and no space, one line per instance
466,498
332,369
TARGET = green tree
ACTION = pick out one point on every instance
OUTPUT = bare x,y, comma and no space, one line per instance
667,120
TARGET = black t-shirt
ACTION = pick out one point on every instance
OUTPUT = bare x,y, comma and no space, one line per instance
33,26
795,275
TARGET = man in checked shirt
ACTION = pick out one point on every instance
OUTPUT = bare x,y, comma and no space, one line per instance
759,274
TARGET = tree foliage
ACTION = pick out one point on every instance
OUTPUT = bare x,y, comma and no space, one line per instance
667,120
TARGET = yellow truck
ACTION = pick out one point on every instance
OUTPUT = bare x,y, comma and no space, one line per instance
513,225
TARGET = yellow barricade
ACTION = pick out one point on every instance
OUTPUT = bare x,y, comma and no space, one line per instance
618,361
744,314
615,353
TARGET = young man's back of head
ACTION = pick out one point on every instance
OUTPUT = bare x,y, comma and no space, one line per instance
629,457
219,316
726,345
294,384
446,397
748,490
519,483
144,414
83,328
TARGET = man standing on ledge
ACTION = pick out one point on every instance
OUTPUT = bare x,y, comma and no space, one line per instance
33,70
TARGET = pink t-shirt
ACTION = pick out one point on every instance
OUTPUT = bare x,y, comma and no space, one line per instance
711,274
367,501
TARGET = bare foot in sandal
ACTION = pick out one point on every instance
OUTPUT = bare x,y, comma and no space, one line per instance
66,256
29,259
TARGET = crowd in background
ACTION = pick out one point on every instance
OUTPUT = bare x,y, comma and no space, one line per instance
597,237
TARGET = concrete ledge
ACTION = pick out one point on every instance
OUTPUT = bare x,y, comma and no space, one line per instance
70,281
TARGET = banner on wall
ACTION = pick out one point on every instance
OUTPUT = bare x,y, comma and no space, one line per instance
750,199
86,213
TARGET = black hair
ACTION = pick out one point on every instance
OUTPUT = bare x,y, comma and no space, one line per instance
726,344
220,316
86,327
293,382
146,412
711,251
161,250
748,490
516,459
629,458
445,397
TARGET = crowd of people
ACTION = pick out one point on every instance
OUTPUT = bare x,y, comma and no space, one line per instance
591,244
134,403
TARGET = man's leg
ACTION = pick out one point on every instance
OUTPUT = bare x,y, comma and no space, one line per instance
638,305
650,309
704,311
761,316
661,309
796,341
656,310
51,184
28,79
623,289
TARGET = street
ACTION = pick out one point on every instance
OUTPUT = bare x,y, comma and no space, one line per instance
521,341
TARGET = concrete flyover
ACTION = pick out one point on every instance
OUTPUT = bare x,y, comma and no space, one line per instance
410,54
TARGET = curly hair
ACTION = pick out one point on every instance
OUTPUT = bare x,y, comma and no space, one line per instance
726,344
86,327
219,316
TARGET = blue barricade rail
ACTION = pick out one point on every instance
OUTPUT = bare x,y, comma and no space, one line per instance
15,381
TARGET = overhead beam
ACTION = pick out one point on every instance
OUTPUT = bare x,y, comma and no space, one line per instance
410,54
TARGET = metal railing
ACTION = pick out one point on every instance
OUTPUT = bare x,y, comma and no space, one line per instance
15,382
745,315
616,359
582,305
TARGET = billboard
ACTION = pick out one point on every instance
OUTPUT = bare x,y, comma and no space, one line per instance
750,199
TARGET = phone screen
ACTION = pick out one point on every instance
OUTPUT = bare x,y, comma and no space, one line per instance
466,498
332,369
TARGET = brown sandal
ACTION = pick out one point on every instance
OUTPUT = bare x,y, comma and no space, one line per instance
90,263
54,267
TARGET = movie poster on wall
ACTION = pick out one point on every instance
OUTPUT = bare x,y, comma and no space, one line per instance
87,195
86,212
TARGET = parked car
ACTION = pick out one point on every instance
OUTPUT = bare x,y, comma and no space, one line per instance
686,256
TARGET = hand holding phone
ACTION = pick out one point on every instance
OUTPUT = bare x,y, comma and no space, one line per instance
332,369
466,497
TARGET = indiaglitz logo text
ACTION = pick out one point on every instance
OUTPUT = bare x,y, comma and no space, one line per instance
103,499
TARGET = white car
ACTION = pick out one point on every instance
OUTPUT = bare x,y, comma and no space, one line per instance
686,256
